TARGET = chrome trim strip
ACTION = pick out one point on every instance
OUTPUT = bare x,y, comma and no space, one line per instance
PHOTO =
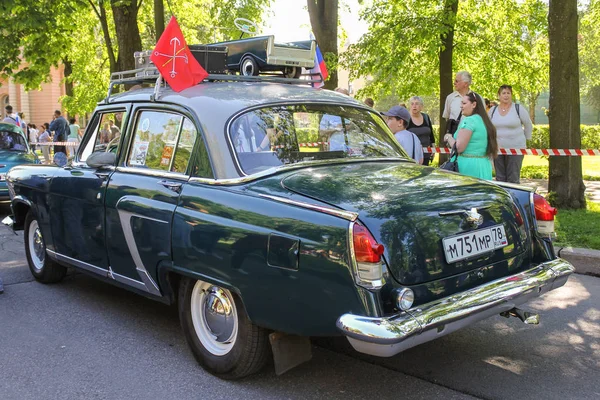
80,264
130,282
153,173
286,168
106,273
532,212
390,335
125,217
349,215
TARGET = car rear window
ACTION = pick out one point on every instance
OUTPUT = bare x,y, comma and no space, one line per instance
274,136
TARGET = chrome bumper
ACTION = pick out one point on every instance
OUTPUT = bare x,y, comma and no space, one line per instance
388,336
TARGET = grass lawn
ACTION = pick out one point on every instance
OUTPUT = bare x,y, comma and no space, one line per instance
590,164
579,228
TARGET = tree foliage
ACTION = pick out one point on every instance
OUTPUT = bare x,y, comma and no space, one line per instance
498,42
100,36
39,32
589,48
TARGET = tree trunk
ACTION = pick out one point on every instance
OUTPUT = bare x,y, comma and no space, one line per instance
324,23
128,35
565,185
101,14
445,59
67,73
533,97
159,18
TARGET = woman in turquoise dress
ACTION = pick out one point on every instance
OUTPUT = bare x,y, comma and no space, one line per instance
475,139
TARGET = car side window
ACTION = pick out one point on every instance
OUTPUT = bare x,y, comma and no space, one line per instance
155,139
104,134
185,145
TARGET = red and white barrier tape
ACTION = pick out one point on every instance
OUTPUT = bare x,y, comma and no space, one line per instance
56,144
506,152
527,152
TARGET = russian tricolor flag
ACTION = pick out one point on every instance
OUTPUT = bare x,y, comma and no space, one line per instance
320,66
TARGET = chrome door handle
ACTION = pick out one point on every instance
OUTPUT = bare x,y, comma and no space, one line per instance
102,174
174,186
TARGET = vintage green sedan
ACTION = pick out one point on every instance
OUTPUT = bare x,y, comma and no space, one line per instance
14,150
231,200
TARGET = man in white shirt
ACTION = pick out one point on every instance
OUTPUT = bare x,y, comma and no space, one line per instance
452,112
397,119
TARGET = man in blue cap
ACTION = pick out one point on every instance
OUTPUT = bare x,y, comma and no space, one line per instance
397,119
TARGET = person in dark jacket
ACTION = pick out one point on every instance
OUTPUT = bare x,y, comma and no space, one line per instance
420,125
60,130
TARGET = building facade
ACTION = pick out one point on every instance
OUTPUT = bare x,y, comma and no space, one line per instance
37,105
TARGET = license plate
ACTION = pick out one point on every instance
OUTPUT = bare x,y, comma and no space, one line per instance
467,245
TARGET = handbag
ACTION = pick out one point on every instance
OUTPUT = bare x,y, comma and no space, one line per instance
451,165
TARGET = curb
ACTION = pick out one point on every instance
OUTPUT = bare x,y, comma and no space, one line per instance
585,261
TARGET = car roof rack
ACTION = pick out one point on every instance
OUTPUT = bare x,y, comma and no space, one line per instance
152,76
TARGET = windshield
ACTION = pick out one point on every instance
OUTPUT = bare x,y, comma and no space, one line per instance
284,135
12,141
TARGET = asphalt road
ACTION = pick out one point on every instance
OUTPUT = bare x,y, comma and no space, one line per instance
85,339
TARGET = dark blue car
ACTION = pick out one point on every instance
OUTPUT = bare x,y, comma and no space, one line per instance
14,150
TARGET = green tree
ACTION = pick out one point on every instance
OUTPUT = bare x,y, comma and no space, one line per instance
38,32
92,38
589,48
415,46
565,172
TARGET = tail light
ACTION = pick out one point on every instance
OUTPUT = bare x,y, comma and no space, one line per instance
544,215
366,253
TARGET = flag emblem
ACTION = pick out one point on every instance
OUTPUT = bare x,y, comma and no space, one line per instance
174,61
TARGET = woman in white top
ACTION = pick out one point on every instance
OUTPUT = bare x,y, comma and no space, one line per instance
45,137
513,127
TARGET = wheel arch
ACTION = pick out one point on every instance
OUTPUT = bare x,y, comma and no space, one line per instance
20,207
169,278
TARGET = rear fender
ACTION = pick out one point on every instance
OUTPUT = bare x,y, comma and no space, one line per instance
542,249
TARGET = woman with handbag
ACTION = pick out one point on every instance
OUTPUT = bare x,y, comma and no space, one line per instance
475,139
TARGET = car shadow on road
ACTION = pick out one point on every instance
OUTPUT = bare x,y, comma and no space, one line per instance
503,358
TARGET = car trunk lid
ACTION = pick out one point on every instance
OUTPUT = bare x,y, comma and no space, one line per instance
421,215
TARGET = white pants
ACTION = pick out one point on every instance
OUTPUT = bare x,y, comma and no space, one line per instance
46,153
72,150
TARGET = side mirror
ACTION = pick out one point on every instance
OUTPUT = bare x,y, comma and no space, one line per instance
100,159
60,159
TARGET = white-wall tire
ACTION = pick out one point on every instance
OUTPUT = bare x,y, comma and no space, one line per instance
41,266
227,344
210,337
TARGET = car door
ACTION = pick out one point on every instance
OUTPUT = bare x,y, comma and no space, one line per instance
143,192
76,199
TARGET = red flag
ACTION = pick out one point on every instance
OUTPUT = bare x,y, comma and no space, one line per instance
175,61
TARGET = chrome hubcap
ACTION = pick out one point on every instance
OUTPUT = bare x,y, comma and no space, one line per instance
37,246
248,68
218,314
214,317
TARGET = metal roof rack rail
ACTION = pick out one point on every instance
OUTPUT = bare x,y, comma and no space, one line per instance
151,75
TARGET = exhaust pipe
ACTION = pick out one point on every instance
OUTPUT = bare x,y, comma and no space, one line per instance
526,317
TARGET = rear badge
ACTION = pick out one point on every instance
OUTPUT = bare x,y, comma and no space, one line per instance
473,218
